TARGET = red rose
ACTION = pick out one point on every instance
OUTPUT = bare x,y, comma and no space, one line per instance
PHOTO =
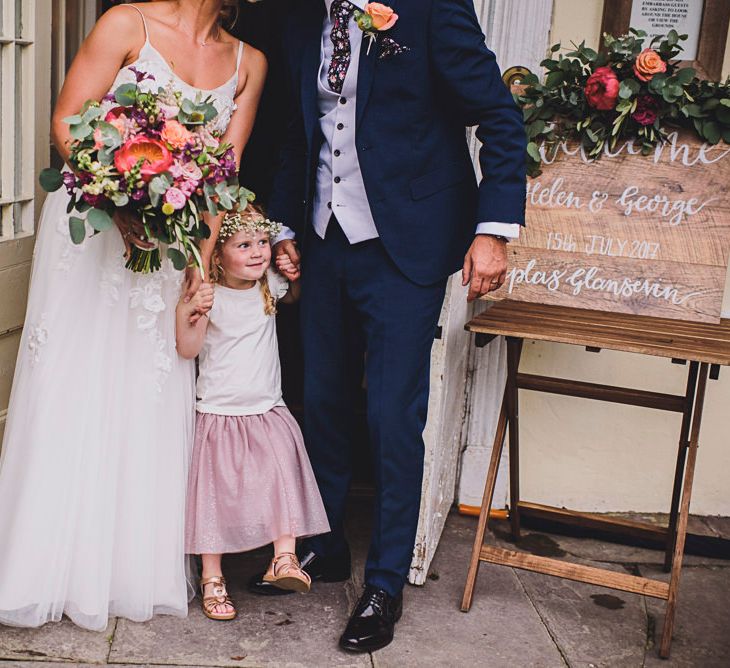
156,156
602,89
647,109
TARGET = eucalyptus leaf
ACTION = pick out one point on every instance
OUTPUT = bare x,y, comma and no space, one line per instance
179,261
72,120
91,114
99,219
554,78
533,151
50,179
126,94
685,75
723,115
628,88
77,229
711,132
80,131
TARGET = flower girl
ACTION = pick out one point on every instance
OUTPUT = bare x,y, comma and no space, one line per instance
250,483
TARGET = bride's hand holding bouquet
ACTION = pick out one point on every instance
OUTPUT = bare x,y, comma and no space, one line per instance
152,164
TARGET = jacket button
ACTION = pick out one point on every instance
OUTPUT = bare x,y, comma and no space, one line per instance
343,100
337,179
329,205
340,126
337,153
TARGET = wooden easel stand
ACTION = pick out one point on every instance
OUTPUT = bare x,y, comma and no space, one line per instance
703,345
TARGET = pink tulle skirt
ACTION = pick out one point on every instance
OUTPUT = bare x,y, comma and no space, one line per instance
250,483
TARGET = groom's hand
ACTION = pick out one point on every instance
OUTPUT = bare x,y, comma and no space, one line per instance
290,269
485,265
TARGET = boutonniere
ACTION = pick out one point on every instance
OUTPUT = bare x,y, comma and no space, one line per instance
376,19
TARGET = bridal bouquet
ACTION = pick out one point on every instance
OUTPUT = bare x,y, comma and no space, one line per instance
156,156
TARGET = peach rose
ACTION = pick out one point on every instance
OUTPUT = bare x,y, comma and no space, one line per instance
384,17
175,134
648,63
155,155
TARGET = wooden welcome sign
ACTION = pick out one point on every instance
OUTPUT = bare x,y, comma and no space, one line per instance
627,233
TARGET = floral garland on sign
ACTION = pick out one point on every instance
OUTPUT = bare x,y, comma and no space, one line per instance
627,93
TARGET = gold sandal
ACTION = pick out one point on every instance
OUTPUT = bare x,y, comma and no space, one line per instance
288,575
220,597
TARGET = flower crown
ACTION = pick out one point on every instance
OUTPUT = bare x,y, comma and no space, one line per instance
251,222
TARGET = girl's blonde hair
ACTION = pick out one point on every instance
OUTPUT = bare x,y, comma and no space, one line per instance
251,213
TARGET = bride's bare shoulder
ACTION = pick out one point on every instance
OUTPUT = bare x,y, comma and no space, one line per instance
121,20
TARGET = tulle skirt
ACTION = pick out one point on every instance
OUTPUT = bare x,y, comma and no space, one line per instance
96,449
250,483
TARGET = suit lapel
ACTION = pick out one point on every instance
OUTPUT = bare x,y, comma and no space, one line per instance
365,75
366,72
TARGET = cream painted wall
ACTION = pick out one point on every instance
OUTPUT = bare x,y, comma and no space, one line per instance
589,455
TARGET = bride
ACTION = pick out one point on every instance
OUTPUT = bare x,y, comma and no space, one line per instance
95,455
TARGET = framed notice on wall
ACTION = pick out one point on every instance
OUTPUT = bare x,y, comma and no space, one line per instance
705,22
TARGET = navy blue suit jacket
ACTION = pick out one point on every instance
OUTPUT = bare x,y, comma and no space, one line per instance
412,110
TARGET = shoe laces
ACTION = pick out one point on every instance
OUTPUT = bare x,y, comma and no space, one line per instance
373,598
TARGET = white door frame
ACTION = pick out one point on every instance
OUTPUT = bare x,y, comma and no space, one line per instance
517,31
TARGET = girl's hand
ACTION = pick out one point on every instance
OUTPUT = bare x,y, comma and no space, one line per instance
286,267
286,252
193,281
132,231
201,303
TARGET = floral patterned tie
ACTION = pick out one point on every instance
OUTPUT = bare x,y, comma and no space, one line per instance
340,11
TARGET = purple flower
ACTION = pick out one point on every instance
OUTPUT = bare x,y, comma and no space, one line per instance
93,200
138,194
141,76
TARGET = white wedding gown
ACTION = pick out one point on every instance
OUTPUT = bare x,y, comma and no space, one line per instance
96,449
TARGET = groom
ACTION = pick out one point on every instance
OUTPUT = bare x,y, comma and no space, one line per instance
377,186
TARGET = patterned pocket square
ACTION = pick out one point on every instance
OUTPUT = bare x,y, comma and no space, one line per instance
389,48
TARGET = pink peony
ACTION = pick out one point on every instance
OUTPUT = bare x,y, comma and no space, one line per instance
602,89
155,156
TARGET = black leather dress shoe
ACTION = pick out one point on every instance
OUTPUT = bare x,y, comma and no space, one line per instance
320,569
372,623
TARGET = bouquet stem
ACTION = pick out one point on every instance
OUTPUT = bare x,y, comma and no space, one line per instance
144,261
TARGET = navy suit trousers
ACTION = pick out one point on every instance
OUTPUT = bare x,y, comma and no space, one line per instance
398,319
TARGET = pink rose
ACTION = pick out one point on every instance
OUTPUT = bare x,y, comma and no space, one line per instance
384,18
176,198
98,139
191,171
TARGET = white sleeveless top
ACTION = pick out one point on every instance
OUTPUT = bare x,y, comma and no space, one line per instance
240,373
151,62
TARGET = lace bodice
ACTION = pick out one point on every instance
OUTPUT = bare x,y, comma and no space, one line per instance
151,62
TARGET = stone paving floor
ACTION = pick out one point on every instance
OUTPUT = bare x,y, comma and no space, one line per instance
517,619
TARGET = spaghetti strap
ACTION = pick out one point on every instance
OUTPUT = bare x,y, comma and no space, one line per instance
240,53
144,21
